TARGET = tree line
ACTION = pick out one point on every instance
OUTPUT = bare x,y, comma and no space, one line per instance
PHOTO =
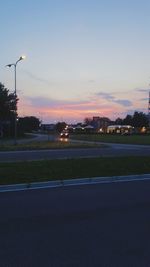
137,120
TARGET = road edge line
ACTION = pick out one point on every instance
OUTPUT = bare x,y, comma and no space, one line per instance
73,182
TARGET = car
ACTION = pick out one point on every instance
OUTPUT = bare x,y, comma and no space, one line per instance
64,135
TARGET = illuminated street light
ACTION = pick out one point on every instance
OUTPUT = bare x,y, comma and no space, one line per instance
15,94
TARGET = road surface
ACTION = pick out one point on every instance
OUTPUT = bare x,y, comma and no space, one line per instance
106,225
113,150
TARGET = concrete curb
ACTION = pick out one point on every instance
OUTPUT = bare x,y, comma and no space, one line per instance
73,182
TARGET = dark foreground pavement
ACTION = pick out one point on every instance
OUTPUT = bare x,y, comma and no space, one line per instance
106,225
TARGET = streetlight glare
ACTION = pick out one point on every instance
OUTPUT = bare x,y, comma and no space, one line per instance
22,57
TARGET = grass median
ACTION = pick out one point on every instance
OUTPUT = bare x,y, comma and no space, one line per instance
143,139
40,171
38,145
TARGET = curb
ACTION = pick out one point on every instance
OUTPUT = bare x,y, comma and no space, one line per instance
73,182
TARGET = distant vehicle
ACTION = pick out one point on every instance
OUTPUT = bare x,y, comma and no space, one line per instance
64,135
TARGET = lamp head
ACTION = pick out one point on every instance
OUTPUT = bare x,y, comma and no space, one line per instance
22,57
9,65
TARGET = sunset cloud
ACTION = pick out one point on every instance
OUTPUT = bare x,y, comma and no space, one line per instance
45,102
67,109
111,98
92,104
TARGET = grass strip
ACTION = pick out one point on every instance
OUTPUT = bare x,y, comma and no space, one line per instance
38,171
45,145
114,138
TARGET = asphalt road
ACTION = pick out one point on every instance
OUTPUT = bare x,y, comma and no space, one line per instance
112,150
106,225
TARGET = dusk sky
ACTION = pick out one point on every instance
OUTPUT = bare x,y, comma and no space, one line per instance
85,58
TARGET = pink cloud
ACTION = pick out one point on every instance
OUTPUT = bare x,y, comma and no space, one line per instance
69,110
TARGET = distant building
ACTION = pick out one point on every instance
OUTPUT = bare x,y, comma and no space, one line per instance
120,129
100,123
89,129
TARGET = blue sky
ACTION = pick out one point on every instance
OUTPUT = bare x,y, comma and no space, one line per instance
84,57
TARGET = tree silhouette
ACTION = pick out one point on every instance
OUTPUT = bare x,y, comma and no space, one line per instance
28,124
7,104
8,110
60,126
128,120
139,119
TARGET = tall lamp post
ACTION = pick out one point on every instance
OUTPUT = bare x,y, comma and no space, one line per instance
15,94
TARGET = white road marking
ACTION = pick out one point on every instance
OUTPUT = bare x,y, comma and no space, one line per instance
74,182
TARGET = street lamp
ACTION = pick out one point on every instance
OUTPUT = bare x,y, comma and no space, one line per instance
15,94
